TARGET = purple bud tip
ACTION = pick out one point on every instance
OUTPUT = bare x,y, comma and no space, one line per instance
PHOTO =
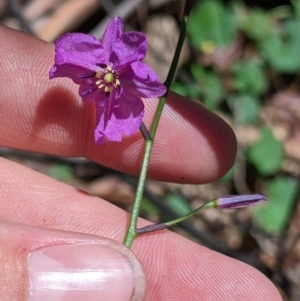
239,201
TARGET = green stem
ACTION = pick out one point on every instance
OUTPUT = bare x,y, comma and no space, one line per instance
177,51
131,230
162,226
190,214
130,233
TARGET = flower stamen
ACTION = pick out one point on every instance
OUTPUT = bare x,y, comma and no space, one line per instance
107,80
103,66
91,74
89,90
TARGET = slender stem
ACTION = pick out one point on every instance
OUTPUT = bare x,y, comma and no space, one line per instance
190,214
162,226
144,131
151,228
130,233
131,230
177,51
223,203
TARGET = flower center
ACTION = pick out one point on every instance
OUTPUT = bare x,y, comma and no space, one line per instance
107,80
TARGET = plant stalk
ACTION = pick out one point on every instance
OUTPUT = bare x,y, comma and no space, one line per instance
131,230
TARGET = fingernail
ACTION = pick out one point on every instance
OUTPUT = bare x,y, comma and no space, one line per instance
86,272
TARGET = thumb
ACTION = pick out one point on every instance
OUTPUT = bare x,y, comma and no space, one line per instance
39,264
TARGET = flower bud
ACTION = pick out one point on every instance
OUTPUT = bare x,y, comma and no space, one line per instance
239,201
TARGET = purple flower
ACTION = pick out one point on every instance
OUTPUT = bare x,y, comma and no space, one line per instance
238,201
110,75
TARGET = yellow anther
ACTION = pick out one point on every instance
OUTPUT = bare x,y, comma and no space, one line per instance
108,89
99,74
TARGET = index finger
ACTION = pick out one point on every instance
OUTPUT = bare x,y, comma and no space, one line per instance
192,144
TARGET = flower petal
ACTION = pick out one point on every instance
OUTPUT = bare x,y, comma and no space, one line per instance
111,35
140,80
123,48
76,54
80,56
122,116
132,47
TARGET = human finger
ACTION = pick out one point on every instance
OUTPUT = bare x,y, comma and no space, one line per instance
39,264
192,144
176,269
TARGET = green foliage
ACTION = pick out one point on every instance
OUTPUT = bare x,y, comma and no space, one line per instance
255,23
246,108
277,40
261,49
228,176
296,6
206,86
281,48
188,90
178,204
211,22
211,90
249,77
149,207
267,153
273,216
61,172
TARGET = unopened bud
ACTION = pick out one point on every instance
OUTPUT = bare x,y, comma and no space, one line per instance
238,201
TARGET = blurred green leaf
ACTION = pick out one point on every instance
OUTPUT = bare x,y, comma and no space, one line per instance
210,86
273,216
267,153
296,6
281,49
178,204
228,176
246,108
210,21
149,208
249,77
60,172
255,23
186,90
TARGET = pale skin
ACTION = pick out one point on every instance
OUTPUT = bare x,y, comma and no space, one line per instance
192,146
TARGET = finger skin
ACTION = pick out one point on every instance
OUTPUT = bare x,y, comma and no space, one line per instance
192,144
26,276
176,269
